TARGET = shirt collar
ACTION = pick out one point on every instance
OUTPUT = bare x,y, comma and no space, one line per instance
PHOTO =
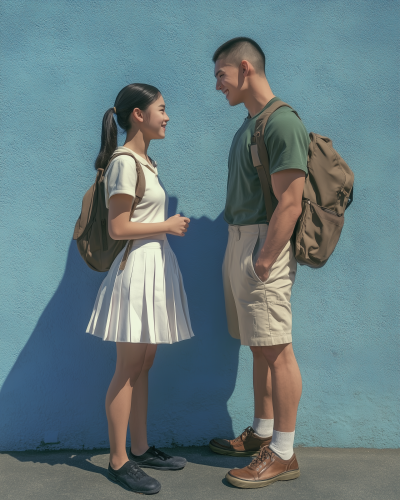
139,158
271,101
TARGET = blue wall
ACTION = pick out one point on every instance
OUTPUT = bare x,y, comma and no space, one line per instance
62,65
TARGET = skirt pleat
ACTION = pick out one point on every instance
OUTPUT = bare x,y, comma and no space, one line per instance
149,295
170,302
159,302
144,303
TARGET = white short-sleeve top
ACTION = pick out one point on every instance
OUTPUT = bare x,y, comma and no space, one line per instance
121,178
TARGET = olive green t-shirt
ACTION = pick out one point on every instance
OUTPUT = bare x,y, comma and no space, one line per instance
287,143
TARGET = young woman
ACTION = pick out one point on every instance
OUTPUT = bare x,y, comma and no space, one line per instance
145,304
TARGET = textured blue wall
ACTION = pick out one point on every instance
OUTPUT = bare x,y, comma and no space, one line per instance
63,63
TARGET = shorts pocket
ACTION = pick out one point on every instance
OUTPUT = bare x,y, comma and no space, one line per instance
260,319
280,316
254,249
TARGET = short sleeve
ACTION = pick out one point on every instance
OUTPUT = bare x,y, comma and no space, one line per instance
287,142
121,177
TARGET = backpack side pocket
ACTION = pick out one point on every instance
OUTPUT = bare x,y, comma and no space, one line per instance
317,234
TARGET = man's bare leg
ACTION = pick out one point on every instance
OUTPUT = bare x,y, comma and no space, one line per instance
262,385
286,385
276,460
249,443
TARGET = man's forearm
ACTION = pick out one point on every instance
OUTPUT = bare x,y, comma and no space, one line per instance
280,230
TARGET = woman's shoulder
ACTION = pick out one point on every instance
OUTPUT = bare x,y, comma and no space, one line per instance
125,157
121,173
123,165
127,163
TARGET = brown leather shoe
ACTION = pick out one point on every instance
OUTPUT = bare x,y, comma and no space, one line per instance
247,444
267,468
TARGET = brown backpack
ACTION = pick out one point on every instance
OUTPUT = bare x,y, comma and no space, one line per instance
328,191
95,245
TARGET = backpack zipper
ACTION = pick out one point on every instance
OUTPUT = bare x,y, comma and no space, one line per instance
328,210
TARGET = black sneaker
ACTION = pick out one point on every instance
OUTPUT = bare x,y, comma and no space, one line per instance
157,459
132,477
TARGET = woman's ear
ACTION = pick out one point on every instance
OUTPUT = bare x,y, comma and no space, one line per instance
137,116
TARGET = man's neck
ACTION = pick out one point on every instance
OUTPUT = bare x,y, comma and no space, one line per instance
258,96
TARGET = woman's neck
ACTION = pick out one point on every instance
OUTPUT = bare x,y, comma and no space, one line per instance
137,142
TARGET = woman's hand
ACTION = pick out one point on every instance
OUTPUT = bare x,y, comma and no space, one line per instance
177,225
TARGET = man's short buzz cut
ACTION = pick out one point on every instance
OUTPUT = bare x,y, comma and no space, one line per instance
240,49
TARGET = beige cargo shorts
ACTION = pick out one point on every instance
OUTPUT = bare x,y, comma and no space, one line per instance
258,313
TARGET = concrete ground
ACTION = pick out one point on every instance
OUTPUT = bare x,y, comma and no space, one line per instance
326,473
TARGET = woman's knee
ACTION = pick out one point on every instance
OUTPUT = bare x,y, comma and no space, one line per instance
148,363
128,372
130,367
149,358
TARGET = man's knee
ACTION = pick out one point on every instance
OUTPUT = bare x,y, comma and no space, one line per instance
277,354
257,352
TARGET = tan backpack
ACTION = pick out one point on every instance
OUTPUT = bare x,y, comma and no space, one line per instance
95,245
328,191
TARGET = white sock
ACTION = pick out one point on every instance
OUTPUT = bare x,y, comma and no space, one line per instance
282,444
263,427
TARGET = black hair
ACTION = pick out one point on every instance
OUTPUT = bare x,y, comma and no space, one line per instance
134,95
241,46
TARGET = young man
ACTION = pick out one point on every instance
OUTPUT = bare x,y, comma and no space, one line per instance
259,266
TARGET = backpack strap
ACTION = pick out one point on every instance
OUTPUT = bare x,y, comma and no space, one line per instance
259,155
139,193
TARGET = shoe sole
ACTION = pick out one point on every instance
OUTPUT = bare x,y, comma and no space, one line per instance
160,468
147,466
126,487
221,451
242,483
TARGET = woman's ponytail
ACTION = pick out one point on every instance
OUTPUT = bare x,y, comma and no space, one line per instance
109,140
135,95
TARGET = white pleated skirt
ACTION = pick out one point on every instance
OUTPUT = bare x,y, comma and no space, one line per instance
144,303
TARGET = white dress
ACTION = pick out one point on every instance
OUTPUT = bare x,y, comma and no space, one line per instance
146,302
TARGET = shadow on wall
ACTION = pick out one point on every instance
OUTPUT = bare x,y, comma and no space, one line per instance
54,395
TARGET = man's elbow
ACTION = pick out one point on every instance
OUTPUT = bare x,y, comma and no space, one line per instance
292,210
296,211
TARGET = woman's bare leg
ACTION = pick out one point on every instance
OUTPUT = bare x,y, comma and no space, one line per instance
138,415
130,359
